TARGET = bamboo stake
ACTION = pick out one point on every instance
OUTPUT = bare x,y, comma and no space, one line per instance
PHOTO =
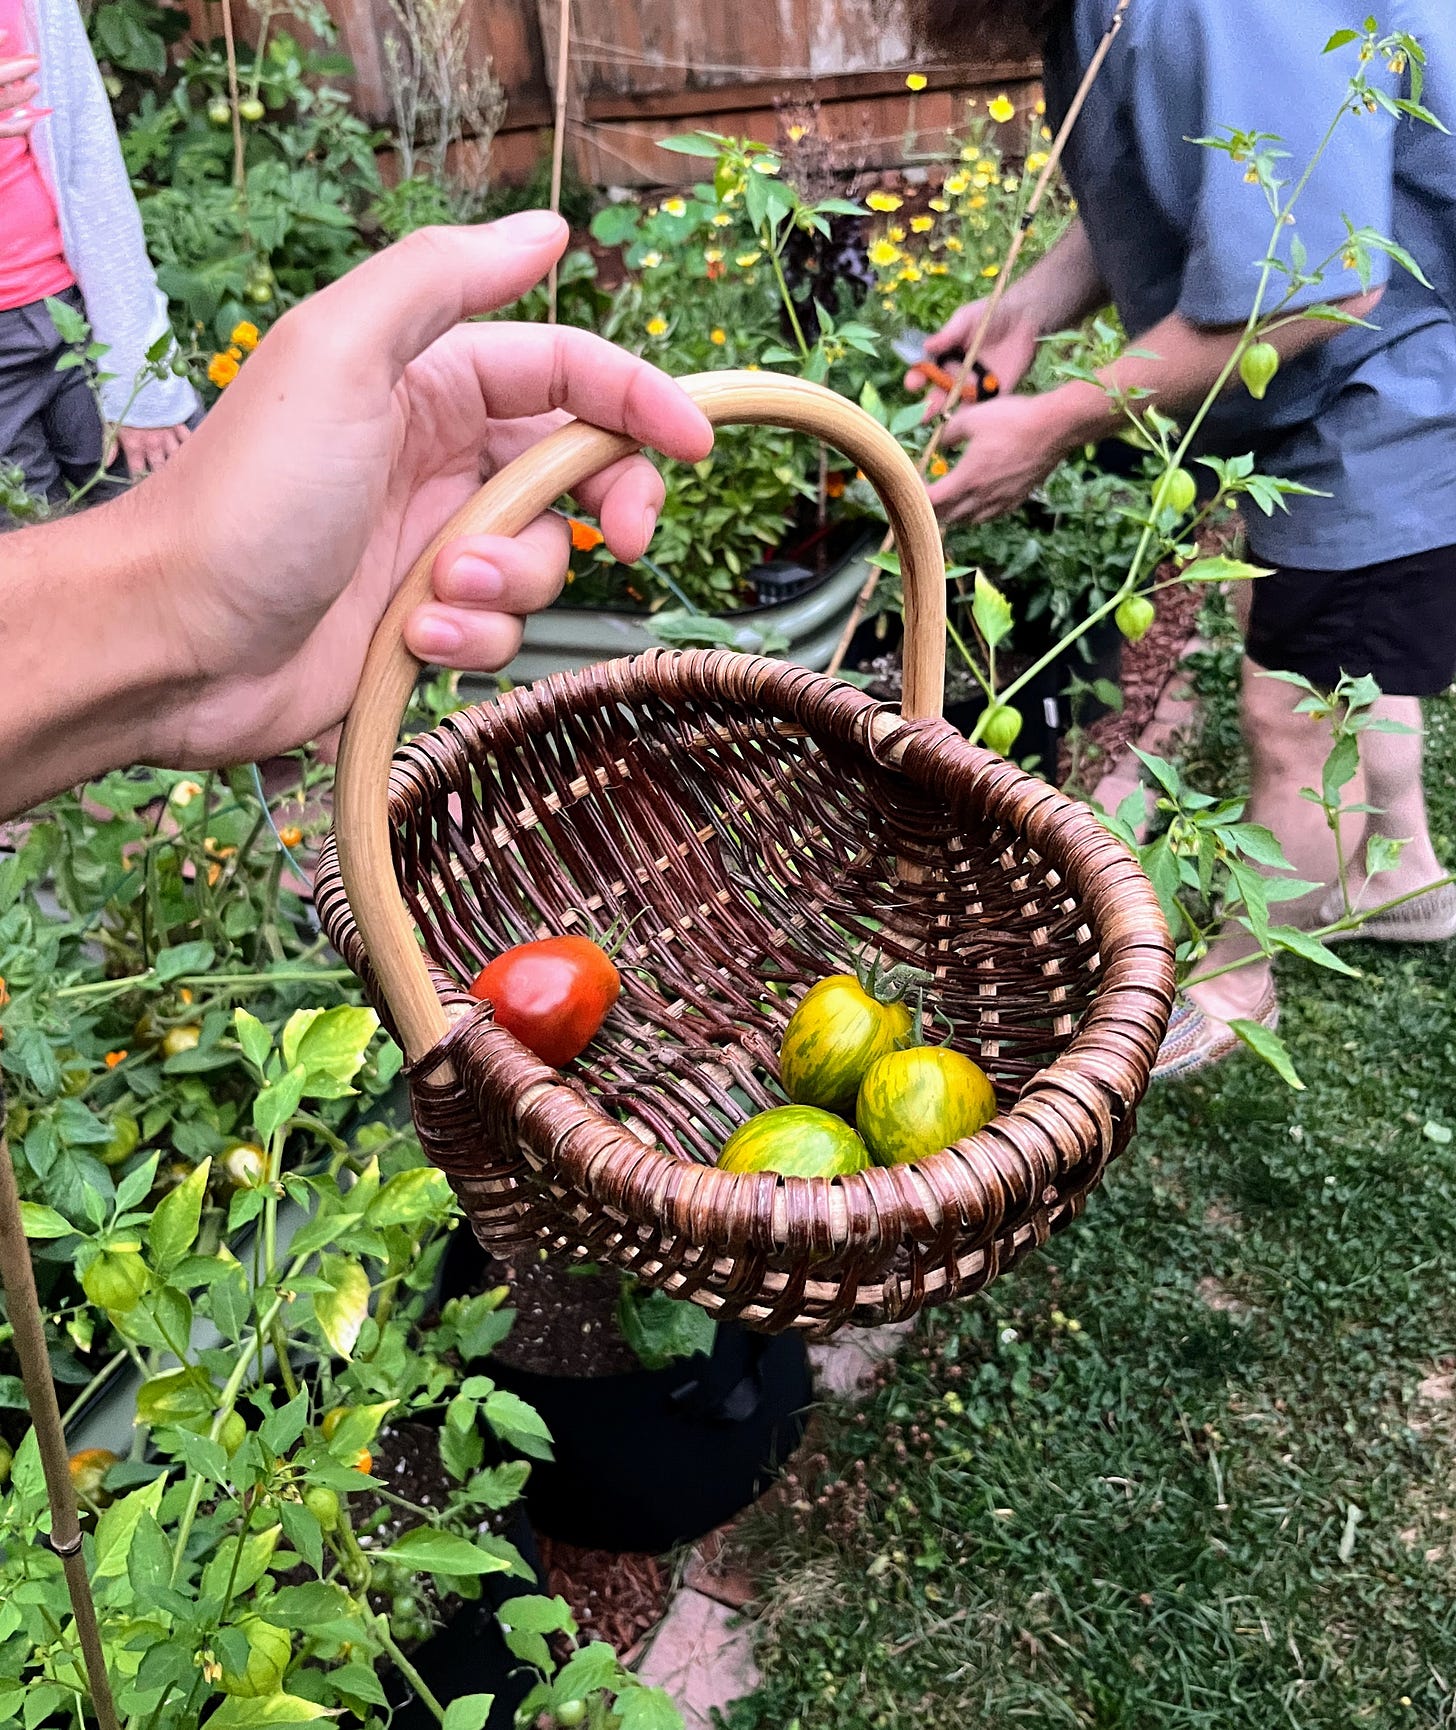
998,293
558,140
23,1305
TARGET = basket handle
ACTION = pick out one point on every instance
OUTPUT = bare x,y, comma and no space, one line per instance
504,506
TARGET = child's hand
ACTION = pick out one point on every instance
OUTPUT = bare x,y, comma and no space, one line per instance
146,448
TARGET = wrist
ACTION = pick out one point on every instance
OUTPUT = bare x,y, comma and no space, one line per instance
1077,414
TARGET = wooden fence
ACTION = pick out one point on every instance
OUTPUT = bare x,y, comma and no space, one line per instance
641,69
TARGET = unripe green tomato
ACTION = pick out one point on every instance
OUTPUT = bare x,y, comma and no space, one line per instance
219,112
233,1434
269,1650
251,108
1002,729
260,293
114,85
570,1713
1135,617
1257,367
323,1504
116,1280
6,1456
125,1134
1177,492
244,1165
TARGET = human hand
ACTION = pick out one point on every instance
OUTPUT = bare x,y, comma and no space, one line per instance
365,419
17,87
1013,444
147,448
1007,351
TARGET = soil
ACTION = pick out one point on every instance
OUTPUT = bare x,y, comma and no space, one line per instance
566,1319
616,1598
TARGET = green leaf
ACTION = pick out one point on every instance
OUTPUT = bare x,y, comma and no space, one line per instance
1382,853
1297,942
639,1708
660,1329
332,1049
517,1424
991,611
1341,767
173,1228
316,1602
1265,1042
254,1037
117,1527
267,1712
282,1427
184,958
410,1198
359,1682
689,144
176,1397
304,1533
342,1309
1341,39
429,1550
244,1564
537,1614
1220,569
136,1185
1256,842
277,1103
468,1711
616,224
44,1222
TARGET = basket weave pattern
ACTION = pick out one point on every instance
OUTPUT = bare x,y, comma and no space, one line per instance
740,814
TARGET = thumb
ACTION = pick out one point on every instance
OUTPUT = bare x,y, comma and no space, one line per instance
393,306
956,331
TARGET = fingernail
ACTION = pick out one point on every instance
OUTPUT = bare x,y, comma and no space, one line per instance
436,638
476,579
649,526
530,225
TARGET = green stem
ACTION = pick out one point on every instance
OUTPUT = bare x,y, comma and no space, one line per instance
407,1670
103,1375
969,660
788,300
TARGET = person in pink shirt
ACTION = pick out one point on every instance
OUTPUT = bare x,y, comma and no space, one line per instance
69,230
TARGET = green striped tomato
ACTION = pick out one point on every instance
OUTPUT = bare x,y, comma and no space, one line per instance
914,1103
833,1037
795,1141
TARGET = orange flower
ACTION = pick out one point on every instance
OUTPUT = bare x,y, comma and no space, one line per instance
938,467
292,836
4,994
184,992
834,487
222,369
585,537
716,267
213,873
244,336
114,1057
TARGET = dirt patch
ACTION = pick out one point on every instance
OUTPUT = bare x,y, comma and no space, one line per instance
1216,1296
619,1599
566,1317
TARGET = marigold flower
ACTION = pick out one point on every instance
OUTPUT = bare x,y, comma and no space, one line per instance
922,224
985,166
797,132
957,183
1036,161
937,269
721,219
747,260
897,234
883,254
112,1058
222,369
713,254
980,180
916,81
884,201
185,792
715,269
954,243
940,204
979,201
911,273
992,270
244,336
1041,105
585,537
717,336
675,206
292,835
184,992
834,487
657,325
1001,109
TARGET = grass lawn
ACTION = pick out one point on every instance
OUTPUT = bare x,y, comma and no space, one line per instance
1195,1464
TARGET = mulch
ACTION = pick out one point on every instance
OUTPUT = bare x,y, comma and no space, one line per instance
616,1598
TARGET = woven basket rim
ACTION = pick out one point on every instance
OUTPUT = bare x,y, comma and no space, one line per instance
1105,1065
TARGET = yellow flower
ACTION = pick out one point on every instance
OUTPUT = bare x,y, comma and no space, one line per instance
753,366
940,204
1009,184
675,206
922,224
765,165
1046,133
1041,105
222,369
722,219
1001,109
883,254
979,201
980,180
291,835
797,132
992,270
956,184
897,234
884,201
657,325
888,302
185,792
938,467
911,273
937,269
953,243
747,260
916,81
985,166
717,336
713,254
244,336
651,260
1036,161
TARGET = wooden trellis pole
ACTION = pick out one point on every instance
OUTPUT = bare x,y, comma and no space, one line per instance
558,139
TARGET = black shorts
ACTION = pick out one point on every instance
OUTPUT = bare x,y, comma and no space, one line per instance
1395,621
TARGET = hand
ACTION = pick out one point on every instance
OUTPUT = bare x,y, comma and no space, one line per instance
1013,444
147,448
365,419
17,87
1007,351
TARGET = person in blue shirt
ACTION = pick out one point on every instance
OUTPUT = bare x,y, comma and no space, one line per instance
1170,232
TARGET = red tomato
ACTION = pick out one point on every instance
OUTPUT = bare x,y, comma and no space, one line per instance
553,995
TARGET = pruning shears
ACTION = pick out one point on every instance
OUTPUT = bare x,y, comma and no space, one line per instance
980,386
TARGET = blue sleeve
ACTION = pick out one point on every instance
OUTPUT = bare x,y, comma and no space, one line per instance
1205,66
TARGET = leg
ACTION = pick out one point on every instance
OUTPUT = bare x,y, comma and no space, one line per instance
1395,788
25,366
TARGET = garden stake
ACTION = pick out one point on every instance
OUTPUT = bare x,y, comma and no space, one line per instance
998,292
558,141
45,1415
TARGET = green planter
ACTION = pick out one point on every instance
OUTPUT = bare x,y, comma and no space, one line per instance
568,638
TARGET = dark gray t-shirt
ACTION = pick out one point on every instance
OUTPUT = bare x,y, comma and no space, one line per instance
1369,417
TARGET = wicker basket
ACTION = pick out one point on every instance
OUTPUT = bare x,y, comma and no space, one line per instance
757,824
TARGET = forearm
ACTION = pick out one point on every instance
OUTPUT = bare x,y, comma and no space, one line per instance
1174,367
1062,288
85,677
